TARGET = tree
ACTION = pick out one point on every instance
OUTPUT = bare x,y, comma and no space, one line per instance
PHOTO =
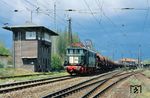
4,50
62,43
56,63
1,65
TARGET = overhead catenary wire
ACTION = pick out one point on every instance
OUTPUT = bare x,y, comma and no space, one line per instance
91,11
49,11
100,6
147,14
31,3
8,5
98,21
44,11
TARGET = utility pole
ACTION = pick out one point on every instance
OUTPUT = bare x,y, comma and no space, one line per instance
70,31
139,55
55,15
54,48
31,16
122,56
113,54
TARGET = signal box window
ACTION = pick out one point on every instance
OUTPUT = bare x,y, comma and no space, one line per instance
47,37
27,61
30,35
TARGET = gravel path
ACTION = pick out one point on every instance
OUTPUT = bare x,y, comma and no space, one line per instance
122,89
39,91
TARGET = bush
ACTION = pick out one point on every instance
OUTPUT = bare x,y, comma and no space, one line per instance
1,65
56,63
3,49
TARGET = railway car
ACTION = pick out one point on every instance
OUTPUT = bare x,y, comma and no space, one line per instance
81,60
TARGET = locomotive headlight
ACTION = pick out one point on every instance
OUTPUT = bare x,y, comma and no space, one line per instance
73,60
76,60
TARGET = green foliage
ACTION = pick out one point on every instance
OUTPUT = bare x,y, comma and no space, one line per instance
1,65
63,42
3,50
10,60
76,38
56,63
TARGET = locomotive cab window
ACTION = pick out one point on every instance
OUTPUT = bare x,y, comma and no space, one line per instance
77,51
81,51
69,51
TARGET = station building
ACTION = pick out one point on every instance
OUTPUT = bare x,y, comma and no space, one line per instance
32,47
128,61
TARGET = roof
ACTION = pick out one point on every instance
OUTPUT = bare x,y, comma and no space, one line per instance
78,44
128,60
30,27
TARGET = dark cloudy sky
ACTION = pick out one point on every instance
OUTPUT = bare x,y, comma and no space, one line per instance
112,28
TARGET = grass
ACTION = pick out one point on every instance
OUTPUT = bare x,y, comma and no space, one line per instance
11,72
147,72
134,81
145,86
145,92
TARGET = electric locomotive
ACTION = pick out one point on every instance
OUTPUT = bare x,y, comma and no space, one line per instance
80,60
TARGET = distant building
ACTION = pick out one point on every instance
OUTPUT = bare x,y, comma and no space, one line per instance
32,47
128,61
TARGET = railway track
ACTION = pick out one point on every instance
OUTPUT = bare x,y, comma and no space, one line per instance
89,85
20,76
80,86
105,85
5,88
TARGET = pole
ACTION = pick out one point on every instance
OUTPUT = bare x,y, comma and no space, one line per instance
31,16
113,54
70,32
139,55
55,15
54,38
14,59
69,28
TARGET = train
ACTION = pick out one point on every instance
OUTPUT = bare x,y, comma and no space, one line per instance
81,60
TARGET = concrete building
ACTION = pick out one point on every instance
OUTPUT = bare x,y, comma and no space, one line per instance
32,47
